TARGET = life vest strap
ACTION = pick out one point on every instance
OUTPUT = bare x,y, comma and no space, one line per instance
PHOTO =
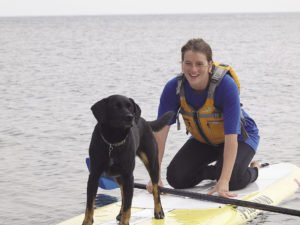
202,115
179,83
243,128
216,78
177,120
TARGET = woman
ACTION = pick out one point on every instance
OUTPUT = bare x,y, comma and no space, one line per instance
207,96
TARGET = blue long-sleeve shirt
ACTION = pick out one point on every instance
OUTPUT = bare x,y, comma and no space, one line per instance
226,99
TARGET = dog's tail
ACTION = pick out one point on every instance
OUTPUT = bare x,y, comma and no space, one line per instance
164,120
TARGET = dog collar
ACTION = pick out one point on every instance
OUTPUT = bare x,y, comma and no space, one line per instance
112,145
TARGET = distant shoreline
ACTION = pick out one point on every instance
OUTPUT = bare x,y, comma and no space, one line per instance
148,14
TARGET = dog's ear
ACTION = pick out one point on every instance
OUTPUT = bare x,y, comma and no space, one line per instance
136,110
99,110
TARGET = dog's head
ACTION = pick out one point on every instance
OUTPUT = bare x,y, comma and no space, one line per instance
116,111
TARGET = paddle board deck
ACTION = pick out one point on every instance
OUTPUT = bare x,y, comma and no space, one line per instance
275,183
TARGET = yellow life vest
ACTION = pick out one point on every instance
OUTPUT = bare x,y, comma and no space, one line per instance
207,123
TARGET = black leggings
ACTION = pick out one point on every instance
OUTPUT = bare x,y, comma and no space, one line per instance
190,165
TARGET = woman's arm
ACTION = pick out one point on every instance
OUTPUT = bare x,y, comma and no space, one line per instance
227,97
161,138
230,151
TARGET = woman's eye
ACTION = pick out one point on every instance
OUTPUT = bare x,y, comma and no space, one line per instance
200,64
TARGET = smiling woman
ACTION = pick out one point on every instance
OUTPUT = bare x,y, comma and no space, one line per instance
196,64
195,68
207,96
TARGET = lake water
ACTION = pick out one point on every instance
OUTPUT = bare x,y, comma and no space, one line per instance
52,69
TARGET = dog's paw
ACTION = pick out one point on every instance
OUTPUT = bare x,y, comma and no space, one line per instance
119,219
123,223
85,222
159,215
119,216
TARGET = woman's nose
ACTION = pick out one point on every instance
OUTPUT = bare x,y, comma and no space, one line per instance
194,68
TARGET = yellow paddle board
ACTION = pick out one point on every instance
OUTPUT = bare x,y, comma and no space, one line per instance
275,183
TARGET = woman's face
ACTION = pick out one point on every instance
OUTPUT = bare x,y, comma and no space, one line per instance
196,69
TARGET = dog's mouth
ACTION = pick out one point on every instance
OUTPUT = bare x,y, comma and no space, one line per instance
126,122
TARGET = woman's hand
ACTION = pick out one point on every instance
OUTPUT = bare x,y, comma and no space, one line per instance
230,151
150,187
222,188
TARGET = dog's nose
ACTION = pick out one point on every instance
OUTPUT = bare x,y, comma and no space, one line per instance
128,118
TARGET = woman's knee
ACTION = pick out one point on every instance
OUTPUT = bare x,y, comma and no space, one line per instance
175,178
237,184
238,180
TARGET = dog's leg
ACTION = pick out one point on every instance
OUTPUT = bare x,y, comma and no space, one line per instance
127,194
150,161
92,188
118,179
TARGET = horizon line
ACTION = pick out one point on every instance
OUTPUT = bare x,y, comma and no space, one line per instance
146,14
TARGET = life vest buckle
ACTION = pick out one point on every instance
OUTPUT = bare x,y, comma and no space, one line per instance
214,80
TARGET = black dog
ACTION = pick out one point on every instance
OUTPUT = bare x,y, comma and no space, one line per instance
118,137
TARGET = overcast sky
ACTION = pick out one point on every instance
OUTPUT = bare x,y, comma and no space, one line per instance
98,7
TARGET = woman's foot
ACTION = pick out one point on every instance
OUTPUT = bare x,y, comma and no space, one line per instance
298,182
258,165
